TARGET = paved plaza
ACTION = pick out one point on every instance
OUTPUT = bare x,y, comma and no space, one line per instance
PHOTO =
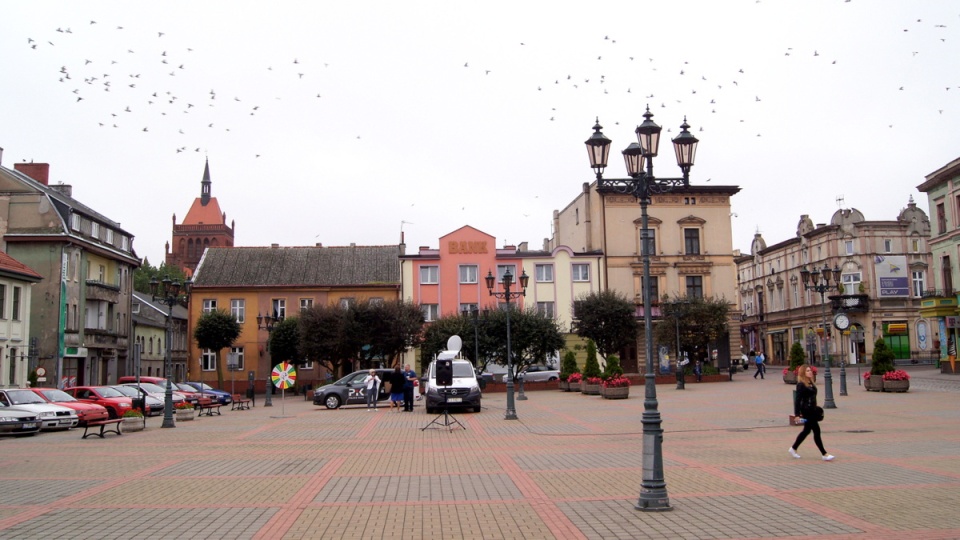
569,468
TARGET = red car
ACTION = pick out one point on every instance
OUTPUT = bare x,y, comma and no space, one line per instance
87,412
115,402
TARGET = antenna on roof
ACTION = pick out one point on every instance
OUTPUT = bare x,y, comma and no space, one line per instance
840,201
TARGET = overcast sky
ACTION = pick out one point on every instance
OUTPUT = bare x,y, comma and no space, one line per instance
340,122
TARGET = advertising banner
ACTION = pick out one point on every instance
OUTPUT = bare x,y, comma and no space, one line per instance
893,276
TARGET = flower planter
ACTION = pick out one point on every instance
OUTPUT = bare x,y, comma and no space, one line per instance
873,384
790,377
895,386
573,387
590,389
564,386
132,423
620,392
184,415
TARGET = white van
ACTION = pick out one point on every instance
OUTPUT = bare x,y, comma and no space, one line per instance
463,393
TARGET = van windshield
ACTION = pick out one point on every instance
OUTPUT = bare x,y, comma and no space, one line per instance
462,370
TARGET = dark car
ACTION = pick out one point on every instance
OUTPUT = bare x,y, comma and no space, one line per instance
18,422
350,390
223,397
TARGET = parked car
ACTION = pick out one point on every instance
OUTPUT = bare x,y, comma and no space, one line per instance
153,406
18,422
539,373
111,398
350,390
86,412
463,393
51,416
192,397
225,398
189,393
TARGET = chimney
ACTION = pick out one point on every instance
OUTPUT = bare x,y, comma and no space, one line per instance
38,171
64,189
1,155
523,246
274,246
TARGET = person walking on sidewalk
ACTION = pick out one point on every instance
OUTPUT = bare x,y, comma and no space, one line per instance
760,367
372,384
805,405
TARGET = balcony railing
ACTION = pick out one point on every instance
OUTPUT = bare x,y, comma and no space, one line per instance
850,302
939,293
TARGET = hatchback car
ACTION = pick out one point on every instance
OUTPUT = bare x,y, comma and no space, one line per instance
190,396
539,373
225,398
86,412
18,422
111,398
153,405
51,416
350,390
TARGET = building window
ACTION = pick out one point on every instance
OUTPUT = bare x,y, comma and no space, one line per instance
581,272
695,286
544,273
654,289
689,200
209,304
918,283
502,270
915,245
110,236
237,353
796,295
238,308
3,301
347,303
651,242
208,360
851,282
280,308
75,222
947,276
848,247
306,366
887,245
124,243
545,309
305,304
15,311
468,273
376,301
691,241
431,312
468,308
429,275
941,219
95,230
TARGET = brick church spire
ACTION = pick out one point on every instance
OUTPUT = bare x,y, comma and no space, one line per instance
205,184
205,225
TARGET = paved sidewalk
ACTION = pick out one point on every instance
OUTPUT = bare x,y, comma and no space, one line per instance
569,468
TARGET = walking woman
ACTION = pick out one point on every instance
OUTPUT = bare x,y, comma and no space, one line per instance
372,383
397,380
810,414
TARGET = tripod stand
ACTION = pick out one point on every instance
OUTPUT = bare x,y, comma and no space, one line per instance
448,419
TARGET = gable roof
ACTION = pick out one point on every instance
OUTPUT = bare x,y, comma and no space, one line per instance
14,268
298,266
204,214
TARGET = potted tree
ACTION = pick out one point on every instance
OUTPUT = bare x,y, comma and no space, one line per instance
882,363
797,358
591,372
568,366
614,385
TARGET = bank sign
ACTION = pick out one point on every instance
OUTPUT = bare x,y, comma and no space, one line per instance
893,277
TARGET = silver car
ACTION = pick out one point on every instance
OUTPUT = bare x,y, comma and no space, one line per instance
18,422
50,416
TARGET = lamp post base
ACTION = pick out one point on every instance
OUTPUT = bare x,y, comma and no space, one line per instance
828,402
843,380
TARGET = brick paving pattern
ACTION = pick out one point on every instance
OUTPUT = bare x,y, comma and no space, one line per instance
569,468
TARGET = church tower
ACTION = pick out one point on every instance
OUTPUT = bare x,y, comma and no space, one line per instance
204,226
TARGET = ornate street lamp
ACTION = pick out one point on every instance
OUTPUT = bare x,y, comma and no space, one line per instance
167,292
507,295
268,322
819,281
642,184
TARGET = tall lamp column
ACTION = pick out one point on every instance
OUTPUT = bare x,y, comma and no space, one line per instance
507,295
642,184
167,292
268,322
819,281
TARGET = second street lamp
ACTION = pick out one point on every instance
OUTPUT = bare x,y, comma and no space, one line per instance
507,295
642,184
268,322
819,281
167,292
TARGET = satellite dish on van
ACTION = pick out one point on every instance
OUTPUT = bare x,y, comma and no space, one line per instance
454,344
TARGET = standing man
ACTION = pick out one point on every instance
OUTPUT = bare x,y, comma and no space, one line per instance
760,367
410,376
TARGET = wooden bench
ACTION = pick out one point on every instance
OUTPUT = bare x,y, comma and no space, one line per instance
103,424
240,403
208,407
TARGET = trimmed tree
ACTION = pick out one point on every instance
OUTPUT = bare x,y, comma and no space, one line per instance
608,319
568,366
882,358
592,367
612,369
797,356
216,330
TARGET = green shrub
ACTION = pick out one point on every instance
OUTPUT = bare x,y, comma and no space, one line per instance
797,356
882,358
592,367
613,368
568,366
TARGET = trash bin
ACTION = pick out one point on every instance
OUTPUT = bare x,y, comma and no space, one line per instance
680,381
251,397
139,403
306,391
484,379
